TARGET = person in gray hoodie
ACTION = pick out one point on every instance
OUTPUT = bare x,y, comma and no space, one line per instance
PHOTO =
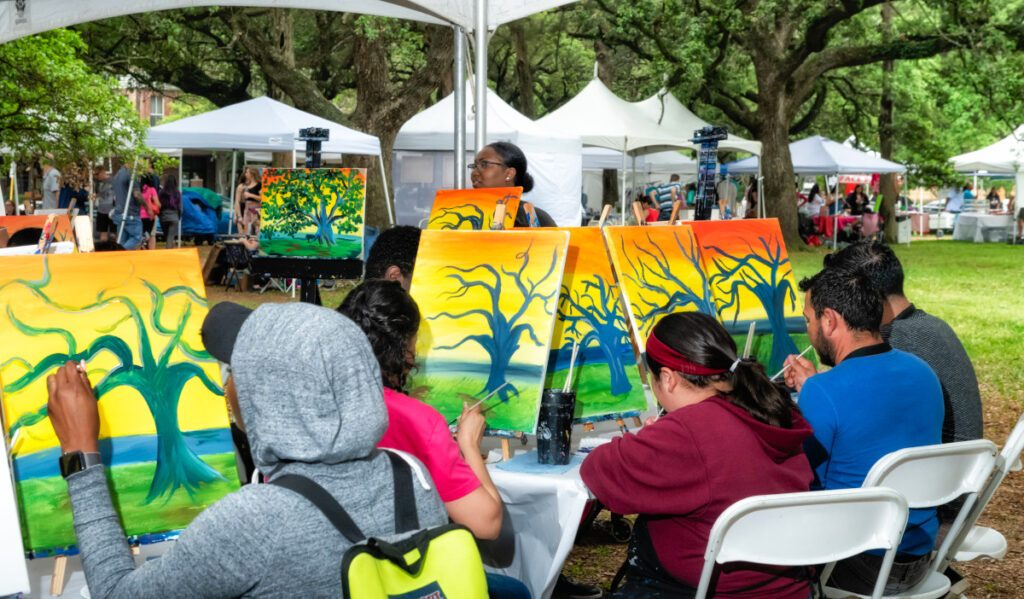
310,399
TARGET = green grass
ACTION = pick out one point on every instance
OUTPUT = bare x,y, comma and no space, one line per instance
978,288
342,248
591,384
48,524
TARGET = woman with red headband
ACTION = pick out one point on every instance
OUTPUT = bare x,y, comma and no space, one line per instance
727,433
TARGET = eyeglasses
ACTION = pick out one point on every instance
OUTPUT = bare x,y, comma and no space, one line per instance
483,164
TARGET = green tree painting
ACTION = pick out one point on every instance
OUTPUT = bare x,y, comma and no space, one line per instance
313,212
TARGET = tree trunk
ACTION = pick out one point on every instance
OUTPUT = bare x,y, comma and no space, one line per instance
887,182
524,74
778,194
603,58
283,41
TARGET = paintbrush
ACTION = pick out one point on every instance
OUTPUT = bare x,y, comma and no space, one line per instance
489,395
779,373
750,340
572,362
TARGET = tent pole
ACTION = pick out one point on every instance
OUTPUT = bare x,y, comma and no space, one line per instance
387,196
481,74
460,108
14,187
181,185
231,190
634,173
624,181
92,197
760,190
835,222
127,201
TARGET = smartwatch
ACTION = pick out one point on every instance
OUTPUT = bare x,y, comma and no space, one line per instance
76,461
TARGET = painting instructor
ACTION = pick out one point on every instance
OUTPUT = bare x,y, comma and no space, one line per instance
310,406
503,164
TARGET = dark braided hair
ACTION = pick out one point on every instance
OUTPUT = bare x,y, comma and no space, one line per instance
390,318
704,341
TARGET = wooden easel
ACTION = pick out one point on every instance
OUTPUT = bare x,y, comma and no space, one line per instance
638,212
60,564
676,206
605,213
498,222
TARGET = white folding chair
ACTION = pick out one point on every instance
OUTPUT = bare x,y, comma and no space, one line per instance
980,541
928,477
803,529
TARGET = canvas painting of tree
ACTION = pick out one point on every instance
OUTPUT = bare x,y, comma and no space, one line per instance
488,301
15,223
590,313
313,212
473,208
659,271
133,318
752,281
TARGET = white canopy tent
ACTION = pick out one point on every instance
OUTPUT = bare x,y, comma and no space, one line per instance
261,124
819,155
664,108
476,16
657,166
424,147
1006,156
602,119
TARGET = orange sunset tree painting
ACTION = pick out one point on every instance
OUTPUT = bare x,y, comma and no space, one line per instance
488,301
473,208
590,313
133,318
752,281
660,272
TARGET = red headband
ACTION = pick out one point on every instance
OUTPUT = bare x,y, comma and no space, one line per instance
670,358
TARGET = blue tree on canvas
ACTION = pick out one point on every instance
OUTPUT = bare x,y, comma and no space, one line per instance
772,288
329,199
506,332
456,216
589,321
157,377
661,288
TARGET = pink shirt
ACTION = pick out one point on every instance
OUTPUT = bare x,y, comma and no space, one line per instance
416,428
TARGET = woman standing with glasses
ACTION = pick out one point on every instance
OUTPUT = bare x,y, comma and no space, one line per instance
502,164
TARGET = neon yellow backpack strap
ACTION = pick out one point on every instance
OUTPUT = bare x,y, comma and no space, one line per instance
435,563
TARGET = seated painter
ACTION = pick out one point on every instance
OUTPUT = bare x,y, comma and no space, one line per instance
309,406
393,255
729,433
390,318
503,164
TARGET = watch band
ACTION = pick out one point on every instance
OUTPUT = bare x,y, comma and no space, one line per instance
76,461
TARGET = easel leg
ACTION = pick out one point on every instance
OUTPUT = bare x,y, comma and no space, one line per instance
622,425
588,426
506,449
637,421
60,564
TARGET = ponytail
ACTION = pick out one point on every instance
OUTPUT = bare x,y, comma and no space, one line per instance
703,342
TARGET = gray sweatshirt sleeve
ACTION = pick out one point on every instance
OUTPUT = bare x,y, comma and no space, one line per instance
213,557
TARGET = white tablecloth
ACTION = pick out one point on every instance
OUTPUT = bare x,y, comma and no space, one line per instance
546,511
978,227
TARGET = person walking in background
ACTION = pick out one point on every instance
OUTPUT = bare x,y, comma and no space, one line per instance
126,215
104,198
74,188
664,196
170,208
248,200
51,184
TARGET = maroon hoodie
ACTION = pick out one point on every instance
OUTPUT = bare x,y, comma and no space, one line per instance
691,465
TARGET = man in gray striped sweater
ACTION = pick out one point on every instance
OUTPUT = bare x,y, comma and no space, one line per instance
914,331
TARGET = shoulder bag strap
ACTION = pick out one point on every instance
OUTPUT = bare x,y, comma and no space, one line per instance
324,502
406,518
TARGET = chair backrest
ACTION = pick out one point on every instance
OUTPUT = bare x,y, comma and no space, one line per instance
934,475
816,527
870,223
1007,460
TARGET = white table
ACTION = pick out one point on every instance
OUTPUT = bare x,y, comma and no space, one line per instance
546,511
979,227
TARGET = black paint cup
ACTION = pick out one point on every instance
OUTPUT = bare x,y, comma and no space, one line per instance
554,426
